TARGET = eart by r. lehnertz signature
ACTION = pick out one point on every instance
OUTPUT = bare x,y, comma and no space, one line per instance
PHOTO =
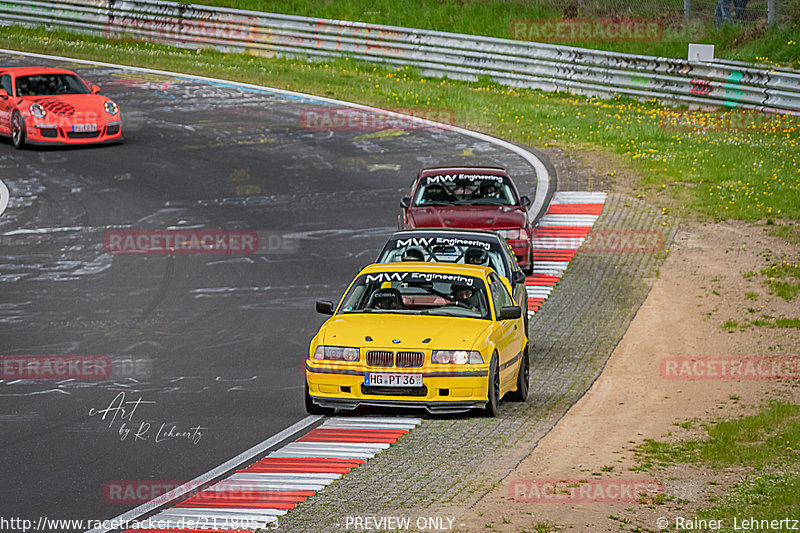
124,410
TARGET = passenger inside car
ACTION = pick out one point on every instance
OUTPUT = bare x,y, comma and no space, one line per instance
386,299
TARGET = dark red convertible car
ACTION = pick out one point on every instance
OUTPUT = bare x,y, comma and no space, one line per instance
474,198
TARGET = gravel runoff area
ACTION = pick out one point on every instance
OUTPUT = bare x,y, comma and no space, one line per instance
445,465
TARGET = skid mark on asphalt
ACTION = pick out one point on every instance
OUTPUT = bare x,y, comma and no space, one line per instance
557,237
255,496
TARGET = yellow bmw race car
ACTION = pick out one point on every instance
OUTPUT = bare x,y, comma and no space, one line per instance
445,337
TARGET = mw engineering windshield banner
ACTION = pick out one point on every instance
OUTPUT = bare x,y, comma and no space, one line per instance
416,277
426,242
449,178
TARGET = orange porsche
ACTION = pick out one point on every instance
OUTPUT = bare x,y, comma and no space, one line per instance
42,105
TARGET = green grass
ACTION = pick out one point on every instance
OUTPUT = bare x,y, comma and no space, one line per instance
545,527
717,174
766,322
494,18
761,440
783,279
789,232
730,325
772,496
788,323
766,442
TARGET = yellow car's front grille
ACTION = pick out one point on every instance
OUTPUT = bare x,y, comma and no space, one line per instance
409,359
386,358
380,358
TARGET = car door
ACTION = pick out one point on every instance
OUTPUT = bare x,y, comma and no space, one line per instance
507,334
6,104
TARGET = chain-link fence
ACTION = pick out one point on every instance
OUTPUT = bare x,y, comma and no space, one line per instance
781,12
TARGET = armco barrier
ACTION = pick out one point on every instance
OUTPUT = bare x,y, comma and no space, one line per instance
514,63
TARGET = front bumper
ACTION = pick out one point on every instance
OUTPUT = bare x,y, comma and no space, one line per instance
42,133
451,391
437,407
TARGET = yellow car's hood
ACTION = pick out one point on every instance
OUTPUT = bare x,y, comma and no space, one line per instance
444,333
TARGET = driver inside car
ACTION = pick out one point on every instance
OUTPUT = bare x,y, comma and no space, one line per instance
413,254
465,295
476,256
437,193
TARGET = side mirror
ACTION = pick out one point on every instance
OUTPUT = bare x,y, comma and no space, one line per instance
405,203
509,312
95,89
3,94
525,200
324,307
518,277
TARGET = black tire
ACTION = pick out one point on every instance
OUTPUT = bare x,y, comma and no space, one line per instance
523,377
17,130
493,405
314,409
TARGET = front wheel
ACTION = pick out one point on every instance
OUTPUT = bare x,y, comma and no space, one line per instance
314,409
17,130
523,375
493,405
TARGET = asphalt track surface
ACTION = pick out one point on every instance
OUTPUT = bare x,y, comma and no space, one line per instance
215,341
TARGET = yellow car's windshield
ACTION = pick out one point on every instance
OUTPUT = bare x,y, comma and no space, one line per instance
423,293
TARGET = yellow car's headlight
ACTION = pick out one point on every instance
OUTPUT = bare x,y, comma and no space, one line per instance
336,353
457,357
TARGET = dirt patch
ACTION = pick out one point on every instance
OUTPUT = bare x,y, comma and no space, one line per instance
703,284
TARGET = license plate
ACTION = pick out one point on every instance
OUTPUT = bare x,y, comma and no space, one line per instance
84,127
388,379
